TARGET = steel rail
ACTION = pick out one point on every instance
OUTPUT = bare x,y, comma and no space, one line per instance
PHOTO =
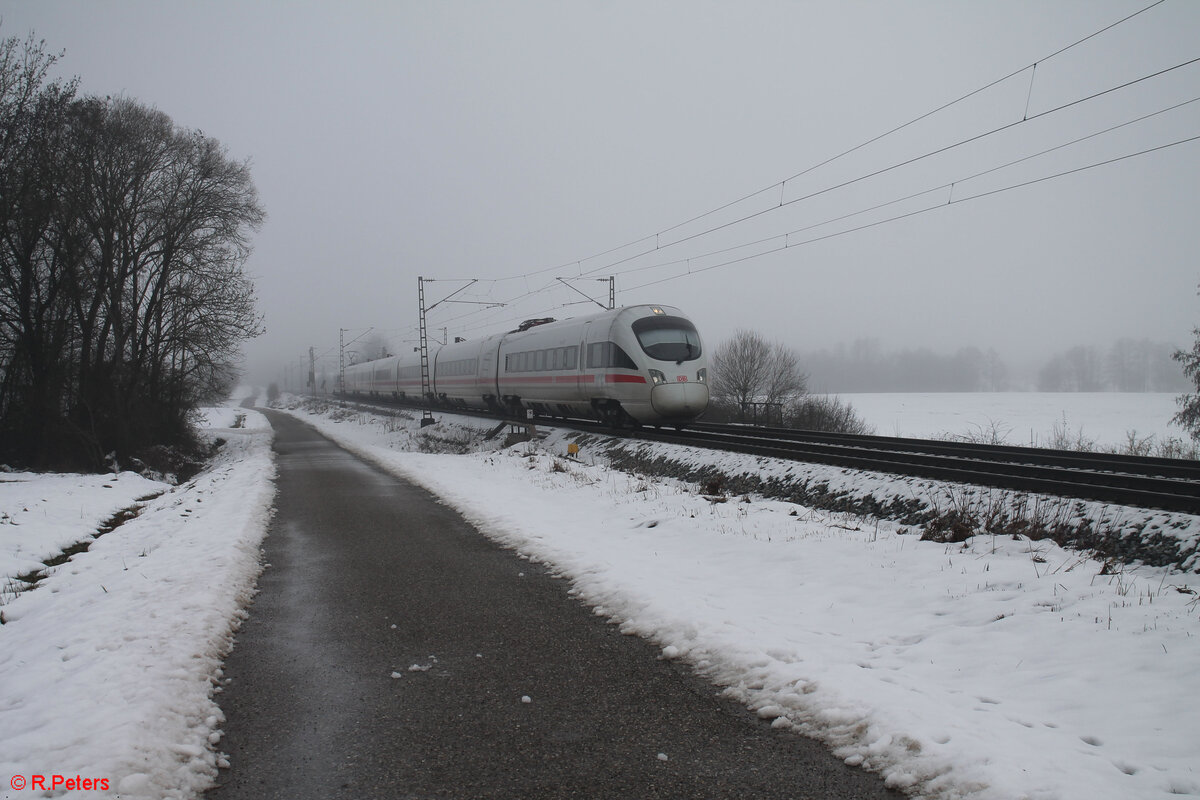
1112,462
1074,476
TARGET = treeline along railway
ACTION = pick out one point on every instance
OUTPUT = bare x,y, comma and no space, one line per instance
123,300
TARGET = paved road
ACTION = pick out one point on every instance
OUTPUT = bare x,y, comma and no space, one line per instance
369,576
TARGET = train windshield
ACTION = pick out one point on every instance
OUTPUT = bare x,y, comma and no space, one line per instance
668,338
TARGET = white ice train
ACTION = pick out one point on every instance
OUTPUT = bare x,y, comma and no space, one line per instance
639,363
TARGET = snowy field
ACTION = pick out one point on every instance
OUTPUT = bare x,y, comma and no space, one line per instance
1024,418
108,666
999,669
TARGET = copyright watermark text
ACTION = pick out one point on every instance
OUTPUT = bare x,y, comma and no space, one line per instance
76,783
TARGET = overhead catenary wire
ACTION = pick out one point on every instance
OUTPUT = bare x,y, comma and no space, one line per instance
655,242
936,189
851,150
899,165
951,200
933,189
934,207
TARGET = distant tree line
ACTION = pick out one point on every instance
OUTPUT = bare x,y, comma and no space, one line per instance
122,297
1129,365
865,366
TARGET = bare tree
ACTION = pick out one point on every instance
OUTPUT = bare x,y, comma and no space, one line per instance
784,380
35,334
739,369
164,303
747,368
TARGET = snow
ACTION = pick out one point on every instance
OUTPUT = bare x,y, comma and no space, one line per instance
1023,418
42,515
1001,668
111,663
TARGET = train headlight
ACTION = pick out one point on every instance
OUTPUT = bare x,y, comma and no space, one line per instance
702,375
657,378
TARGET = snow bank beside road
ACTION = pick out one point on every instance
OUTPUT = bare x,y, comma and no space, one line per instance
997,670
109,663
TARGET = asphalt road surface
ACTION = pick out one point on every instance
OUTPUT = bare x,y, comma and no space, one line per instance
507,687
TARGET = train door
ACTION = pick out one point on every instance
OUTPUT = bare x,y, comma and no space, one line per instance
591,372
488,378
581,379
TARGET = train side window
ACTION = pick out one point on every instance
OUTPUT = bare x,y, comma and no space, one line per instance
465,366
540,360
573,357
620,359
608,354
598,355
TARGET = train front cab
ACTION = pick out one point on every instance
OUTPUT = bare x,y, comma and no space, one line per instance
657,372
676,365
678,371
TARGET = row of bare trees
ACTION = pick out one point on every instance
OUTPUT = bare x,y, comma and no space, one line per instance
123,301
866,366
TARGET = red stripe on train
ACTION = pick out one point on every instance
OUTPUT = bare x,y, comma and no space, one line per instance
543,379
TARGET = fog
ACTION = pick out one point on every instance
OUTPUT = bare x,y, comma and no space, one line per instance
518,143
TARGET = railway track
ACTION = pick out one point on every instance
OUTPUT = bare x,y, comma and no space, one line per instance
1162,483
1168,484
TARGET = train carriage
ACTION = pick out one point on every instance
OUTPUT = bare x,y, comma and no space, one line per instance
393,376
377,377
641,364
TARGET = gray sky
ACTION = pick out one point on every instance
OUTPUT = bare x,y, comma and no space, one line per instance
512,142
